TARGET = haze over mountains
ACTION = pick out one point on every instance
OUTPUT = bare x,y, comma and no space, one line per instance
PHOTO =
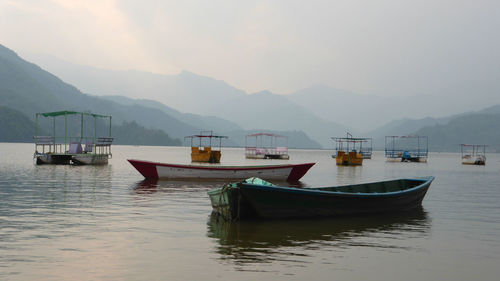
305,116
29,89
192,93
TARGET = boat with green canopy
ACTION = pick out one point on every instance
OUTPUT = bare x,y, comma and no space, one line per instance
70,145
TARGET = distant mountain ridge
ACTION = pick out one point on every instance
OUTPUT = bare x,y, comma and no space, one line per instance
297,139
445,134
186,92
269,111
476,128
191,93
366,112
15,126
311,110
28,88
197,121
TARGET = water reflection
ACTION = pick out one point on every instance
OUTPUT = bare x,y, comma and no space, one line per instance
250,242
159,185
147,186
349,174
150,186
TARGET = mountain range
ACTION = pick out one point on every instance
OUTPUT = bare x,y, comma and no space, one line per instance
309,116
191,93
29,89
200,95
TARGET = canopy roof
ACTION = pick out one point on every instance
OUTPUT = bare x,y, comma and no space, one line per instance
65,112
408,136
351,139
207,136
266,134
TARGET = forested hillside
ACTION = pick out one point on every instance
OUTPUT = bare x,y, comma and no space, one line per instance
472,129
15,126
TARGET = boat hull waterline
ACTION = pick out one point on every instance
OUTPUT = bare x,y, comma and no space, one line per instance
264,200
155,170
75,159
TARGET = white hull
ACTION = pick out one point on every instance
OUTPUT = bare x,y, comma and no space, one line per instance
179,173
417,160
262,156
474,160
291,172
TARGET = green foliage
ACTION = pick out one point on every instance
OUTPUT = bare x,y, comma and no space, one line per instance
30,89
471,129
15,126
133,133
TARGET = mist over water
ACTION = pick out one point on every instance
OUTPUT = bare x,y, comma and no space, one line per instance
108,223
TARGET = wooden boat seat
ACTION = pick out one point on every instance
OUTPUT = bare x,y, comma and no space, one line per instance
75,148
380,187
261,151
88,146
104,141
44,140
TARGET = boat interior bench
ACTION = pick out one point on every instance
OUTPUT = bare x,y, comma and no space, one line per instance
104,141
379,187
44,140
75,148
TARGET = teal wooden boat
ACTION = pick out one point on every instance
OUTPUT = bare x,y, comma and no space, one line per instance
256,198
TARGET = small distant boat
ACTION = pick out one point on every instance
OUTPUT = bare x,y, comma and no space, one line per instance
204,151
256,198
266,146
473,154
350,151
411,148
155,170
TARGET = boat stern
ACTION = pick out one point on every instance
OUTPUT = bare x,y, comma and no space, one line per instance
224,201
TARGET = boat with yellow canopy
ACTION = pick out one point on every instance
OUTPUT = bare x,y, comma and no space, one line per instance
202,149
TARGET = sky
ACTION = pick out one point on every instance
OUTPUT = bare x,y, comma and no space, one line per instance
448,48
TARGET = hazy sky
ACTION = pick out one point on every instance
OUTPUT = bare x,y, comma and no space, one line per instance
378,47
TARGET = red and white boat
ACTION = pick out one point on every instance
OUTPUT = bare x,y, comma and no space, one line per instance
155,170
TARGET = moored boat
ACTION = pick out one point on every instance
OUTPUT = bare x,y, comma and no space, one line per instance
411,148
289,172
203,151
349,151
473,154
256,198
266,146
83,149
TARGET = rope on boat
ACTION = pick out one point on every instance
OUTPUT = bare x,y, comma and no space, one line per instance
239,206
222,190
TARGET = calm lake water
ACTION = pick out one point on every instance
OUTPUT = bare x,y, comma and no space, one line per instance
107,223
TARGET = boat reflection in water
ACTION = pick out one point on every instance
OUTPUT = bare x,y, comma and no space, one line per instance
146,186
266,241
149,186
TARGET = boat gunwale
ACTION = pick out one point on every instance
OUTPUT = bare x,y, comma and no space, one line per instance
317,191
